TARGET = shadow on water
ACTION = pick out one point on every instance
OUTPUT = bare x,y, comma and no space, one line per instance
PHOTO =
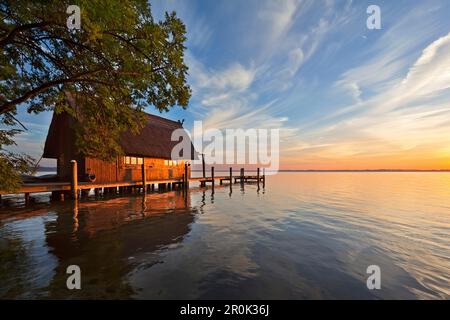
107,238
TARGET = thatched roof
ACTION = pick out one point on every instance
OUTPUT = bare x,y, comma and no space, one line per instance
154,140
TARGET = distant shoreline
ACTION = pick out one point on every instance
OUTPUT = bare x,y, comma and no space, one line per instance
51,169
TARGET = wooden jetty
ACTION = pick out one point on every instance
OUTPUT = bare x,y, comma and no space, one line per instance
74,189
242,178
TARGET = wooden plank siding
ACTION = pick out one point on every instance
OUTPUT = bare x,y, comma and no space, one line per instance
117,171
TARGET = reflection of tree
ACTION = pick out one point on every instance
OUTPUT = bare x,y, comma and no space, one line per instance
25,265
13,262
109,239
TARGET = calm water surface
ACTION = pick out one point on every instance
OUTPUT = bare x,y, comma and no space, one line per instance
305,236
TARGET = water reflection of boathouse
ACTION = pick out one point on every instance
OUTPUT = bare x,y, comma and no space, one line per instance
109,239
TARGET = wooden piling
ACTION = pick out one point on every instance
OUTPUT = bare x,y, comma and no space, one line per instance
264,177
144,180
74,179
212,177
242,175
203,165
55,195
257,174
186,177
27,198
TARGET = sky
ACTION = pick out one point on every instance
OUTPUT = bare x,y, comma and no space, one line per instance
342,96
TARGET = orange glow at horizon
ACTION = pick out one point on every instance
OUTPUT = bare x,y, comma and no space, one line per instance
369,163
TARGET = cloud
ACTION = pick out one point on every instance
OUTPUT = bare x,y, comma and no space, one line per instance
413,115
431,72
228,100
235,77
198,29
279,15
232,96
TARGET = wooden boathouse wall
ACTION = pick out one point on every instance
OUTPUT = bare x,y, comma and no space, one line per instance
155,169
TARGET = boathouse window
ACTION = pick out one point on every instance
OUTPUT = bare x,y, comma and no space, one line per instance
133,160
170,163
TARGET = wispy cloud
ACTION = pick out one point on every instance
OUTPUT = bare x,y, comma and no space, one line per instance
412,116
279,16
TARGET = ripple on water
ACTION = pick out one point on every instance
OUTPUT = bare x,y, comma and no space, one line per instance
307,235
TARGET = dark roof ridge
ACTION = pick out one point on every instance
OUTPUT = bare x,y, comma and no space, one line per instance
162,119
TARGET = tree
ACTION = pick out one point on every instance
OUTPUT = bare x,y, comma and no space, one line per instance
11,164
119,62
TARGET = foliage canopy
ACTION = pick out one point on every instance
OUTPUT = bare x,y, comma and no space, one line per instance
119,62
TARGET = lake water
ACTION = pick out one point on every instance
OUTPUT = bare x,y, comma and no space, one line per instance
304,236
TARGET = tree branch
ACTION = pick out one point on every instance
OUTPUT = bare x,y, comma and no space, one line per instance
17,120
8,106
21,28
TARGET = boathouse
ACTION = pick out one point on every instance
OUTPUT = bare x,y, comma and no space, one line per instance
149,150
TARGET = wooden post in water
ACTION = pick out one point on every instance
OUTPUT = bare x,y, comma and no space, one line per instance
74,179
231,180
27,198
257,176
212,177
144,182
264,177
84,192
203,165
242,175
186,178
